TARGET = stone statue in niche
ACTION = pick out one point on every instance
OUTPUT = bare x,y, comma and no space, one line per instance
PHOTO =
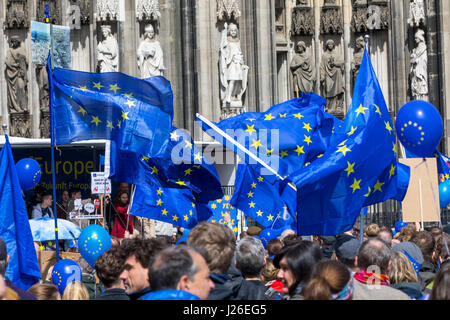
150,55
358,55
16,77
73,14
419,68
108,51
302,71
42,79
332,78
416,13
233,71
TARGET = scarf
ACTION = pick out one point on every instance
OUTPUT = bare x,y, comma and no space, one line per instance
372,278
346,293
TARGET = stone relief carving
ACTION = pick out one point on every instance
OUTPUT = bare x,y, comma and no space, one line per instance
332,78
370,15
16,64
16,77
108,9
302,19
331,19
416,13
227,9
302,70
359,16
108,51
44,106
358,55
55,11
233,71
150,55
147,10
419,68
16,14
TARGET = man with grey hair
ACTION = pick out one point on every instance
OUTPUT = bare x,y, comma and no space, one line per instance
179,273
250,259
371,282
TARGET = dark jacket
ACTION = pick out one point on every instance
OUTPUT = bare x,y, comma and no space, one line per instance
114,294
249,290
138,294
412,289
23,295
427,274
220,291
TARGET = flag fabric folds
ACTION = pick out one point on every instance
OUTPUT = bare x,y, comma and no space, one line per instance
181,166
359,169
23,268
135,113
224,213
285,137
175,206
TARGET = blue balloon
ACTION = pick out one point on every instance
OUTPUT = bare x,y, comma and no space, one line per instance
93,242
29,172
64,272
419,127
444,194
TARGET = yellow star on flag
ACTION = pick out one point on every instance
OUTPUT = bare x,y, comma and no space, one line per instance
128,95
83,88
252,204
159,202
394,148
300,150
355,186
256,144
259,213
114,88
181,183
154,170
253,185
251,120
250,129
350,169
82,111
352,131
307,140
96,120
307,127
188,144
130,103
174,136
361,110
343,150
392,172
378,186
368,194
144,158
269,117
186,218
175,217
284,154
98,85
187,172
125,115
270,217
250,194
269,152
119,124
213,206
388,127
283,115
260,179
299,116
198,157
164,212
378,110
159,192
110,125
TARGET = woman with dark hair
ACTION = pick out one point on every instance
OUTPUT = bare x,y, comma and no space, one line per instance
297,262
441,287
122,220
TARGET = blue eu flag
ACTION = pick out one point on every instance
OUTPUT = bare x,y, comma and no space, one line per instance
443,163
359,169
285,137
224,213
175,206
23,268
181,166
135,113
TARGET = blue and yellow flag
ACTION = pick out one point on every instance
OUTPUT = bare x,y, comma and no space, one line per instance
23,268
443,165
359,169
286,137
135,113
181,166
224,213
175,206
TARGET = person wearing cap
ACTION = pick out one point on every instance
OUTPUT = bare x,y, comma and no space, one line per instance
4,260
346,252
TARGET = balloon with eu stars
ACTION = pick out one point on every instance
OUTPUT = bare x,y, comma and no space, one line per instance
444,194
419,128
64,272
93,242
29,172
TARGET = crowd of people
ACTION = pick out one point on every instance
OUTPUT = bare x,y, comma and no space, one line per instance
211,263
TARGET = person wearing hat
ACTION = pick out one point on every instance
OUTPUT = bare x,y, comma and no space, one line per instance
4,260
346,252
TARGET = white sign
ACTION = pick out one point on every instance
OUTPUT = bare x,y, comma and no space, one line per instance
77,204
99,183
89,207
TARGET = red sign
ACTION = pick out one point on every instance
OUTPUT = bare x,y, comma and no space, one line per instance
97,203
